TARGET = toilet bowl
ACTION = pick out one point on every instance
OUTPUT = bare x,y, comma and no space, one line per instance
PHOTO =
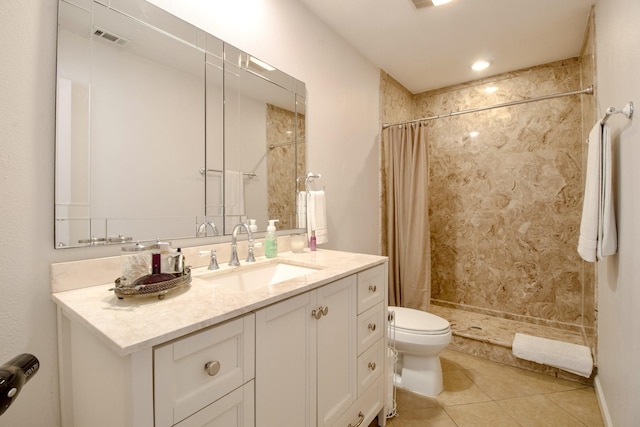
419,337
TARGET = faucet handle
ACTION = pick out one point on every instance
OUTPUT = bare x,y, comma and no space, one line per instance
250,257
213,264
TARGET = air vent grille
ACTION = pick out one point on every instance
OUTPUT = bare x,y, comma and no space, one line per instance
111,37
419,4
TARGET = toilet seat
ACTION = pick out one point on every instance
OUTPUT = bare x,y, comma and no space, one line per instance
417,322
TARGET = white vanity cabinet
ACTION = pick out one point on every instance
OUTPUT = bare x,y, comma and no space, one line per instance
205,378
319,356
308,352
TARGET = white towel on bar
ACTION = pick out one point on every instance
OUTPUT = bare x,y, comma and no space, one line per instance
598,226
317,216
301,209
569,357
607,232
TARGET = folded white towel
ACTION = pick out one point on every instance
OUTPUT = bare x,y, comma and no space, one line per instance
597,227
569,357
317,216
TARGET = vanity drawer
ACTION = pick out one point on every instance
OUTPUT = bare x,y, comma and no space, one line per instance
370,366
370,327
366,407
371,287
193,372
236,409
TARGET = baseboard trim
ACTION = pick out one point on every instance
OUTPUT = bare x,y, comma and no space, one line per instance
602,402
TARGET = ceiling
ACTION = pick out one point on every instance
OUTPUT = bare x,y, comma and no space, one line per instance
434,47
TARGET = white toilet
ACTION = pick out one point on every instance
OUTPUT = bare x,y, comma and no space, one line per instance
419,337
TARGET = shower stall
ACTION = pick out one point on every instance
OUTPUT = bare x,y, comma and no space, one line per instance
505,194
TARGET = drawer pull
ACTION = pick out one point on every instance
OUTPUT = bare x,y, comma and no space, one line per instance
372,366
319,312
373,288
372,327
360,420
212,367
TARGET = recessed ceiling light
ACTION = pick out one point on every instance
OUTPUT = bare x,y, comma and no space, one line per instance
480,65
491,89
439,2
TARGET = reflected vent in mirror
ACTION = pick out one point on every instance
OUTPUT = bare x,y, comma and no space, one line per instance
113,38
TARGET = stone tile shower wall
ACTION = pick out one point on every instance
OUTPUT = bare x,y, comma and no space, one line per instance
505,205
285,162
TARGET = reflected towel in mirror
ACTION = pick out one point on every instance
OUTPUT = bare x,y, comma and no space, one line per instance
317,216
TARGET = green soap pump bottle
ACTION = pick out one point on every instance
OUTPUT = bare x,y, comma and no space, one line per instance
271,240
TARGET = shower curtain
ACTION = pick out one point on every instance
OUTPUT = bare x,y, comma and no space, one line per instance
405,214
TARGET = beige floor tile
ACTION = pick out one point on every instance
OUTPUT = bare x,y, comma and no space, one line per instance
486,414
432,417
506,382
455,361
538,411
581,403
459,390
406,400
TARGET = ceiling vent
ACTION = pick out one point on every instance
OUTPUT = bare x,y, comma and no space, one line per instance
111,37
419,4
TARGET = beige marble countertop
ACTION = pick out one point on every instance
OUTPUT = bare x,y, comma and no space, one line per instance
133,324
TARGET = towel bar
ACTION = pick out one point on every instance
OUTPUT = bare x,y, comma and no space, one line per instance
627,111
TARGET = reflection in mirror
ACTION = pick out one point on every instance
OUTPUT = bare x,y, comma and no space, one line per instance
142,149
262,131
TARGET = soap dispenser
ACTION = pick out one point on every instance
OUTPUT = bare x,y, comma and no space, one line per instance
252,225
271,240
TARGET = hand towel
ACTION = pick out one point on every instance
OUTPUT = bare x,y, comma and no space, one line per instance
317,216
301,209
607,232
597,227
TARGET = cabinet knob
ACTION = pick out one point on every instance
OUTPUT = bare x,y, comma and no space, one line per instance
372,366
372,327
360,420
319,312
212,367
373,288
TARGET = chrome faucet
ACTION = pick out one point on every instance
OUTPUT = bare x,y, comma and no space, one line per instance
234,245
202,229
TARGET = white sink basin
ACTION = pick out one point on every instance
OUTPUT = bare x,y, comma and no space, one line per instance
250,277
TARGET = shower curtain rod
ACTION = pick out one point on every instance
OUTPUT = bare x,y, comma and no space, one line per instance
588,90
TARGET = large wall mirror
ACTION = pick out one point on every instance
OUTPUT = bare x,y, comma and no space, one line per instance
165,131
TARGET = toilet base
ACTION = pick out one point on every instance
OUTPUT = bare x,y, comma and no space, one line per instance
421,375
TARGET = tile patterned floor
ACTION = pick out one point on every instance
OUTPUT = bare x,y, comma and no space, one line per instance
481,393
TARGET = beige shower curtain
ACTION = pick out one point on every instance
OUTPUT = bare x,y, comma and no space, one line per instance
405,214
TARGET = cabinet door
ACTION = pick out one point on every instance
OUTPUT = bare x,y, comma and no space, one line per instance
337,349
285,364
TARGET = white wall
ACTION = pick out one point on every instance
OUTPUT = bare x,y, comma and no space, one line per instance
342,129
618,82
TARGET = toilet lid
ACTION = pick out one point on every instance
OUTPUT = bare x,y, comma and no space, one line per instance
418,322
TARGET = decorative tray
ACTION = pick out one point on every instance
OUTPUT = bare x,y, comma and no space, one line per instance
159,289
